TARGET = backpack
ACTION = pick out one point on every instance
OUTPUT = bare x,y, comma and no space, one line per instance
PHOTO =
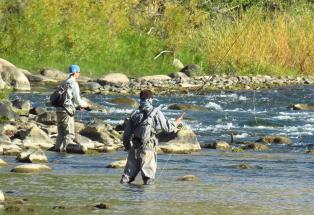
57,98
145,129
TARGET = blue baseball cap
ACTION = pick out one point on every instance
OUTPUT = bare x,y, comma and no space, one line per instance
74,69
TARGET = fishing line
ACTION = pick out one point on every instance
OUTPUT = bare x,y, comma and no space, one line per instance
254,107
164,167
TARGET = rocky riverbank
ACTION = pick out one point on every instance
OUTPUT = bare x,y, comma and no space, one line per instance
182,82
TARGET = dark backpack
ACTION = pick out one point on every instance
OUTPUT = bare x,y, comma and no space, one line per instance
57,98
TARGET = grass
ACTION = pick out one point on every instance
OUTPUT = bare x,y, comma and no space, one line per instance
257,37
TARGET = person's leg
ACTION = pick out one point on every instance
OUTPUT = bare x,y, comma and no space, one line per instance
148,166
66,133
61,129
132,167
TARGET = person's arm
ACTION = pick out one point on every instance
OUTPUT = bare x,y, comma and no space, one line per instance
76,96
165,125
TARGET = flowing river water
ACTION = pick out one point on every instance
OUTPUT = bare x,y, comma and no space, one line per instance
281,180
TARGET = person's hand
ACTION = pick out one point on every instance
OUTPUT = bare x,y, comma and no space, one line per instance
178,121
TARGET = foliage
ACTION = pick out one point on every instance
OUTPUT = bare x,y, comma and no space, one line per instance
222,36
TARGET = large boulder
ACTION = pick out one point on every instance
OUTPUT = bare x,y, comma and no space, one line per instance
13,77
275,139
10,150
32,156
31,168
114,79
54,74
182,142
37,138
153,78
187,107
124,101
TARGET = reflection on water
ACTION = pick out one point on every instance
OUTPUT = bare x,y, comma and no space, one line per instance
280,181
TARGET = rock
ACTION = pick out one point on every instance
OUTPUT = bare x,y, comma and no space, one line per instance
187,107
24,105
182,142
94,106
190,70
4,139
219,144
179,76
85,141
243,166
187,178
255,147
41,79
237,149
124,101
310,151
13,77
100,132
102,206
6,112
275,139
154,78
11,150
47,118
32,156
3,85
76,149
37,110
2,199
31,168
37,138
3,163
114,79
177,63
301,107
117,164
90,87
54,74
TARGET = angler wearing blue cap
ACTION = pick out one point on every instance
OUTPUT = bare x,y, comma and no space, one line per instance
69,100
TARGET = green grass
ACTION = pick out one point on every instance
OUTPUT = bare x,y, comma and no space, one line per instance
244,37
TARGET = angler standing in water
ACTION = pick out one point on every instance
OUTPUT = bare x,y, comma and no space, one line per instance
67,98
140,139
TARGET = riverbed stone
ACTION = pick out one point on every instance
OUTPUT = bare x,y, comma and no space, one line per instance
10,150
31,168
275,139
124,101
37,138
114,78
90,87
153,78
4,139
219,144
301,107
3,163
190,70
76,149
13,77
255,147
182,142
187,178
24,105
310,151
6,112
187,107
2,198
94,106
117,164
32,156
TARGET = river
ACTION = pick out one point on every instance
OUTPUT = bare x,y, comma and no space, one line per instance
280,181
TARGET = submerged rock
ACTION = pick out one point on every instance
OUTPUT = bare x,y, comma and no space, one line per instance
243,166
32,156
301,107
182,142
94,106
275,139
187,107
117,164
31,168
124,101
187,178
255,147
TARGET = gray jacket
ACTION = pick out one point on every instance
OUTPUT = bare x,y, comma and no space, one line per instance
73,98
161,124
